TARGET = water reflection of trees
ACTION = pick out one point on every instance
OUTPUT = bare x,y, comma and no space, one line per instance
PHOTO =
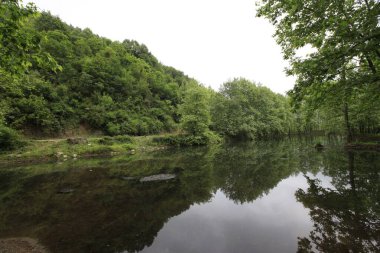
249,171
346,218
105,213
108,214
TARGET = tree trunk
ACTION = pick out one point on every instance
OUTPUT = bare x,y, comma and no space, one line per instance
347,122
345,109
351,161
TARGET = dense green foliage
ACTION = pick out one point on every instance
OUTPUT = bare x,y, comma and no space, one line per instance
9,139
119,88
340,77
19,44
195,111
57,79
245,110
183,140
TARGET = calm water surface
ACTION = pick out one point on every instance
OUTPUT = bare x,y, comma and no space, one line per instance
254,197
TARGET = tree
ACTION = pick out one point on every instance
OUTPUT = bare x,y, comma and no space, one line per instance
14,42
195,110
245,110
345,38
19,46
19,49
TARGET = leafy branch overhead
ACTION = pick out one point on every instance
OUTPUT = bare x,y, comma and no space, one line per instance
344,36
342,64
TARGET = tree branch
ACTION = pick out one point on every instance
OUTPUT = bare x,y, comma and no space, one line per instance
370,64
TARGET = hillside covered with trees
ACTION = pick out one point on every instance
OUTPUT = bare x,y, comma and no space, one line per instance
117,88
59,80
73,79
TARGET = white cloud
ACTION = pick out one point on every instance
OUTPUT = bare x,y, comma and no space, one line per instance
210,40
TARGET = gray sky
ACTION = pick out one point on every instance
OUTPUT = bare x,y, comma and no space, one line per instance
210,40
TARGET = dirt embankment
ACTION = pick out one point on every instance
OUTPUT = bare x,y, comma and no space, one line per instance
21,245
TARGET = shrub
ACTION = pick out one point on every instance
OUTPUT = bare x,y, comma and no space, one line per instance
123,139
99,150
112,129
107,140
189,140
9,139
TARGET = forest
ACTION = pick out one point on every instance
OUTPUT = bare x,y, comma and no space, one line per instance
58,80
104,148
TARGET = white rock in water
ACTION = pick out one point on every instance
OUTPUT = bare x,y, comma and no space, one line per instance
159,177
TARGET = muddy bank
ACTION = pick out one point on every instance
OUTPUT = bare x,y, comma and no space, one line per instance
21,245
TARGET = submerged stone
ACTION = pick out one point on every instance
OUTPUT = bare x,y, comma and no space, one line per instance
158,177
65,190
319,146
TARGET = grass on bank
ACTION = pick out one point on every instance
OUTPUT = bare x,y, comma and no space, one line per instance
72,148
61,149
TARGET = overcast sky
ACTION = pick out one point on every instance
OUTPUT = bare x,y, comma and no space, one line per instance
210,40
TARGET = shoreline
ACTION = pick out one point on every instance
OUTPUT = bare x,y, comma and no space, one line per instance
22,245
59,150
358,146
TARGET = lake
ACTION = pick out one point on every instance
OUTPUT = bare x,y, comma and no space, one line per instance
274,196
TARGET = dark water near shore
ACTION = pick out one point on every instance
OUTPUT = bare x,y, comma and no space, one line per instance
278,196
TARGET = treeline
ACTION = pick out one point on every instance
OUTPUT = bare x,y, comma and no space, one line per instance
361,114
245,110
60,80
72,79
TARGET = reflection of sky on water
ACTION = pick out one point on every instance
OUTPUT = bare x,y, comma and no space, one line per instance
269,224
